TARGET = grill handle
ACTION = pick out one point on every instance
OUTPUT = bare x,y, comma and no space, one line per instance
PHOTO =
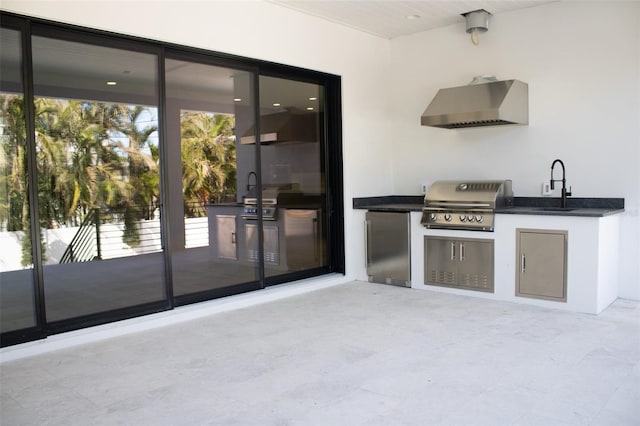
447,204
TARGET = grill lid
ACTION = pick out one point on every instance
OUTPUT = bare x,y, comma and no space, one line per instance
462,195
274,194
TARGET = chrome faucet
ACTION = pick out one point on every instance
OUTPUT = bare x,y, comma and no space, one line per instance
565,193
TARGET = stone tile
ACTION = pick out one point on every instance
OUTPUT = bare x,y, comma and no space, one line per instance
353,354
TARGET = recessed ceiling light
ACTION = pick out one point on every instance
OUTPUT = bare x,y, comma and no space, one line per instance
276,104
313,98
237,100
111,83
309,108
411,17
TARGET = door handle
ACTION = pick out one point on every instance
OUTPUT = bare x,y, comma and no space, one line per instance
233,238
523,263
453,251
366,244
461,252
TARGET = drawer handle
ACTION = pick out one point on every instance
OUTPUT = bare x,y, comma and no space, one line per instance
523,264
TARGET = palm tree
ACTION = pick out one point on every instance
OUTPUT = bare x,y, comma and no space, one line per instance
142,173
82,163
13,175
14,201
208,159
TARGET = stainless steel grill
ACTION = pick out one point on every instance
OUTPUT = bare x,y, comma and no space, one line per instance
269,205
466,205
273,197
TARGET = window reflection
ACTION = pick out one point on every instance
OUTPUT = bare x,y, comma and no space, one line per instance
205,105
17,309
292,170
98,177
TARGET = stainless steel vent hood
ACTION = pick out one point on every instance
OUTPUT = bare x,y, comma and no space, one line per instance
479,104
284,127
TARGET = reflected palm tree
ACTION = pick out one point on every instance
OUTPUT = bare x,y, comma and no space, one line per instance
95,155
208,159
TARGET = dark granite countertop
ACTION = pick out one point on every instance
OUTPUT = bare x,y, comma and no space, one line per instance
390,203
550,206
546,206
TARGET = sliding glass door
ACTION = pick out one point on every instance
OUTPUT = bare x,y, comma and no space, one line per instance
206,104
17,285
136,176
292,123
96,125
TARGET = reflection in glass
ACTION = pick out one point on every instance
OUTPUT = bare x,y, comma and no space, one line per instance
98,177
292,172
17,309
206,105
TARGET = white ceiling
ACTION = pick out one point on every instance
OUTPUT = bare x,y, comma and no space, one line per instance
390,18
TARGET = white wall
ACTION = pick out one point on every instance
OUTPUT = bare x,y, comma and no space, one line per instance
261,30
581,61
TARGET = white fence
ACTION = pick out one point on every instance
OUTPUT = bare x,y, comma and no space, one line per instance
111,242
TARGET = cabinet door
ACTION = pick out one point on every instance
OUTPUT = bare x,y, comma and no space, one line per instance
441,259
227,229
271,243
476,264
542,264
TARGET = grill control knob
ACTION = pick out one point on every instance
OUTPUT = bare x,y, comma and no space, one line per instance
472,218
479,219
447,217
463,218
432,217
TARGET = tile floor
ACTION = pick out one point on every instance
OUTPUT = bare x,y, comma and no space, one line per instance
351,354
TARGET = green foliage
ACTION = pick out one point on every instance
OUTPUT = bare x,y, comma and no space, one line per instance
97,155
208,159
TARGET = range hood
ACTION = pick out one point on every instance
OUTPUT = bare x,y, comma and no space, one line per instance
479,104
284,127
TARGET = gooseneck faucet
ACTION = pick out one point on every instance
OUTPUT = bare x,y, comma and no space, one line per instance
565,193
255,179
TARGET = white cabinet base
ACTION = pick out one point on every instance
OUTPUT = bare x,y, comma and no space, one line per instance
592,259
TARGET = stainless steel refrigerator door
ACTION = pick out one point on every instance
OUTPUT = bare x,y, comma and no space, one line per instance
303,238
388,248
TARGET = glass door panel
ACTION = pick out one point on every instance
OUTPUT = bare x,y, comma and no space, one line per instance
17,302
96,117
292,123
207,106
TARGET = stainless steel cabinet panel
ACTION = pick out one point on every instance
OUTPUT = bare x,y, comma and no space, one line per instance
271,243
226,233
461,263
441,261
542,264
303,237
387,245
476,264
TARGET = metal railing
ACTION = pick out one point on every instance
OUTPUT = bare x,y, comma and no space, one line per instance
85,245
101,234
